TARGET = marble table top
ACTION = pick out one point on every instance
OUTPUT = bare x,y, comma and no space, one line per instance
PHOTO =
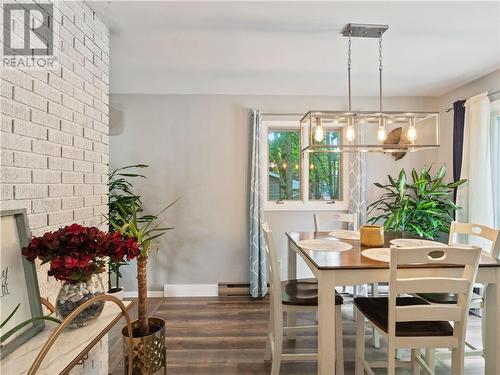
70,345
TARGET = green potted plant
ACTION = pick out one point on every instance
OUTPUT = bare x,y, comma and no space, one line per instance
121,194
421,207
148,351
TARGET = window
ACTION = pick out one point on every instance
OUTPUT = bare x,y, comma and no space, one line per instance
295,181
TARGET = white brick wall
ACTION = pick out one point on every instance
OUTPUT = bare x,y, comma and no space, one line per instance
54,138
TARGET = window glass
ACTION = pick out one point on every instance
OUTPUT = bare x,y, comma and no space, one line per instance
283,164
325,171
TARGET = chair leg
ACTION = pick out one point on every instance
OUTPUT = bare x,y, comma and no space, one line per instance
339,345
277,329
415,366
277,351
398,354
375,333
391,359
430,358
376,338
354,295
483,325
457,360
360,342
270,334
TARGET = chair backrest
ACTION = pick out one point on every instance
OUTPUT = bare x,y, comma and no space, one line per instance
273,267
477,230
466,259
324,221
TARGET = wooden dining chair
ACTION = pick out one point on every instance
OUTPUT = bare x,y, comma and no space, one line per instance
412,322
492,236
293,296
327,221
476,230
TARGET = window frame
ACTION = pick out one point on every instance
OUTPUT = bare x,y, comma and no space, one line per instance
303,204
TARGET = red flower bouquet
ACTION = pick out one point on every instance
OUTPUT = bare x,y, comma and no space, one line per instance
77,255
76,252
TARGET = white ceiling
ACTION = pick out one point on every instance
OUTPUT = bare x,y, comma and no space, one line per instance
295,48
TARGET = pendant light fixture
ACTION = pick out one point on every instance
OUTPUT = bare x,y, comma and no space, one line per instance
368,131
350,133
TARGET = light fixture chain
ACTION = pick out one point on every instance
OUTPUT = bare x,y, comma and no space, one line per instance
380,68
349,69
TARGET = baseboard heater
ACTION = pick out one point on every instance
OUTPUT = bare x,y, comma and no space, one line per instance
229,289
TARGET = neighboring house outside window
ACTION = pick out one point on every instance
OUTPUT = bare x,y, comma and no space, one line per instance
295,181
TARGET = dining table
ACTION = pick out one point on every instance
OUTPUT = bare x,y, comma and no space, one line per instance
349,267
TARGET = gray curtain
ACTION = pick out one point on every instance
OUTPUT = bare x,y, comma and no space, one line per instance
258,268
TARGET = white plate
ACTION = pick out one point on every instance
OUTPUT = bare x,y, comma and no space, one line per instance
345,234
324,245
414,242
382,254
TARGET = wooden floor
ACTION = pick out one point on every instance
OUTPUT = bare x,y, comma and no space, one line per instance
226,335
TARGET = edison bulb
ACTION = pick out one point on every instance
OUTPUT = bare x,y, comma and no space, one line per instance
350,134
381,132
319,133
412,131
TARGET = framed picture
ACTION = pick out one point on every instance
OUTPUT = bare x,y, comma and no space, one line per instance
19,283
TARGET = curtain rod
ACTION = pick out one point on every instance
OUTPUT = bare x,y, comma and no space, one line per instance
490,94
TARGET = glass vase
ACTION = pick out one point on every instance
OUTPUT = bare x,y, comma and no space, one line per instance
73,294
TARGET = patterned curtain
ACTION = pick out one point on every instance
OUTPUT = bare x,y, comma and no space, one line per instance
258,268
357,182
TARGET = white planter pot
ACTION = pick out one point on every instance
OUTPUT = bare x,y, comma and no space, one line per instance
118,294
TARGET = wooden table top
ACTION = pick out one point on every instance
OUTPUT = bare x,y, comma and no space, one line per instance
352,259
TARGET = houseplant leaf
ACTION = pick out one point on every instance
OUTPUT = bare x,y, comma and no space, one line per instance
422,207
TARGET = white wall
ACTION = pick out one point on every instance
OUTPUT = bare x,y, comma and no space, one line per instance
197,146
490,83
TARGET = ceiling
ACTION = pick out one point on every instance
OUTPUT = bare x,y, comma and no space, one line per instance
295,48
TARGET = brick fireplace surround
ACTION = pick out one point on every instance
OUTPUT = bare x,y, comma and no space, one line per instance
54,139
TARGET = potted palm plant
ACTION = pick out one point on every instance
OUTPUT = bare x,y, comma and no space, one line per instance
121,194
421,207
148,341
